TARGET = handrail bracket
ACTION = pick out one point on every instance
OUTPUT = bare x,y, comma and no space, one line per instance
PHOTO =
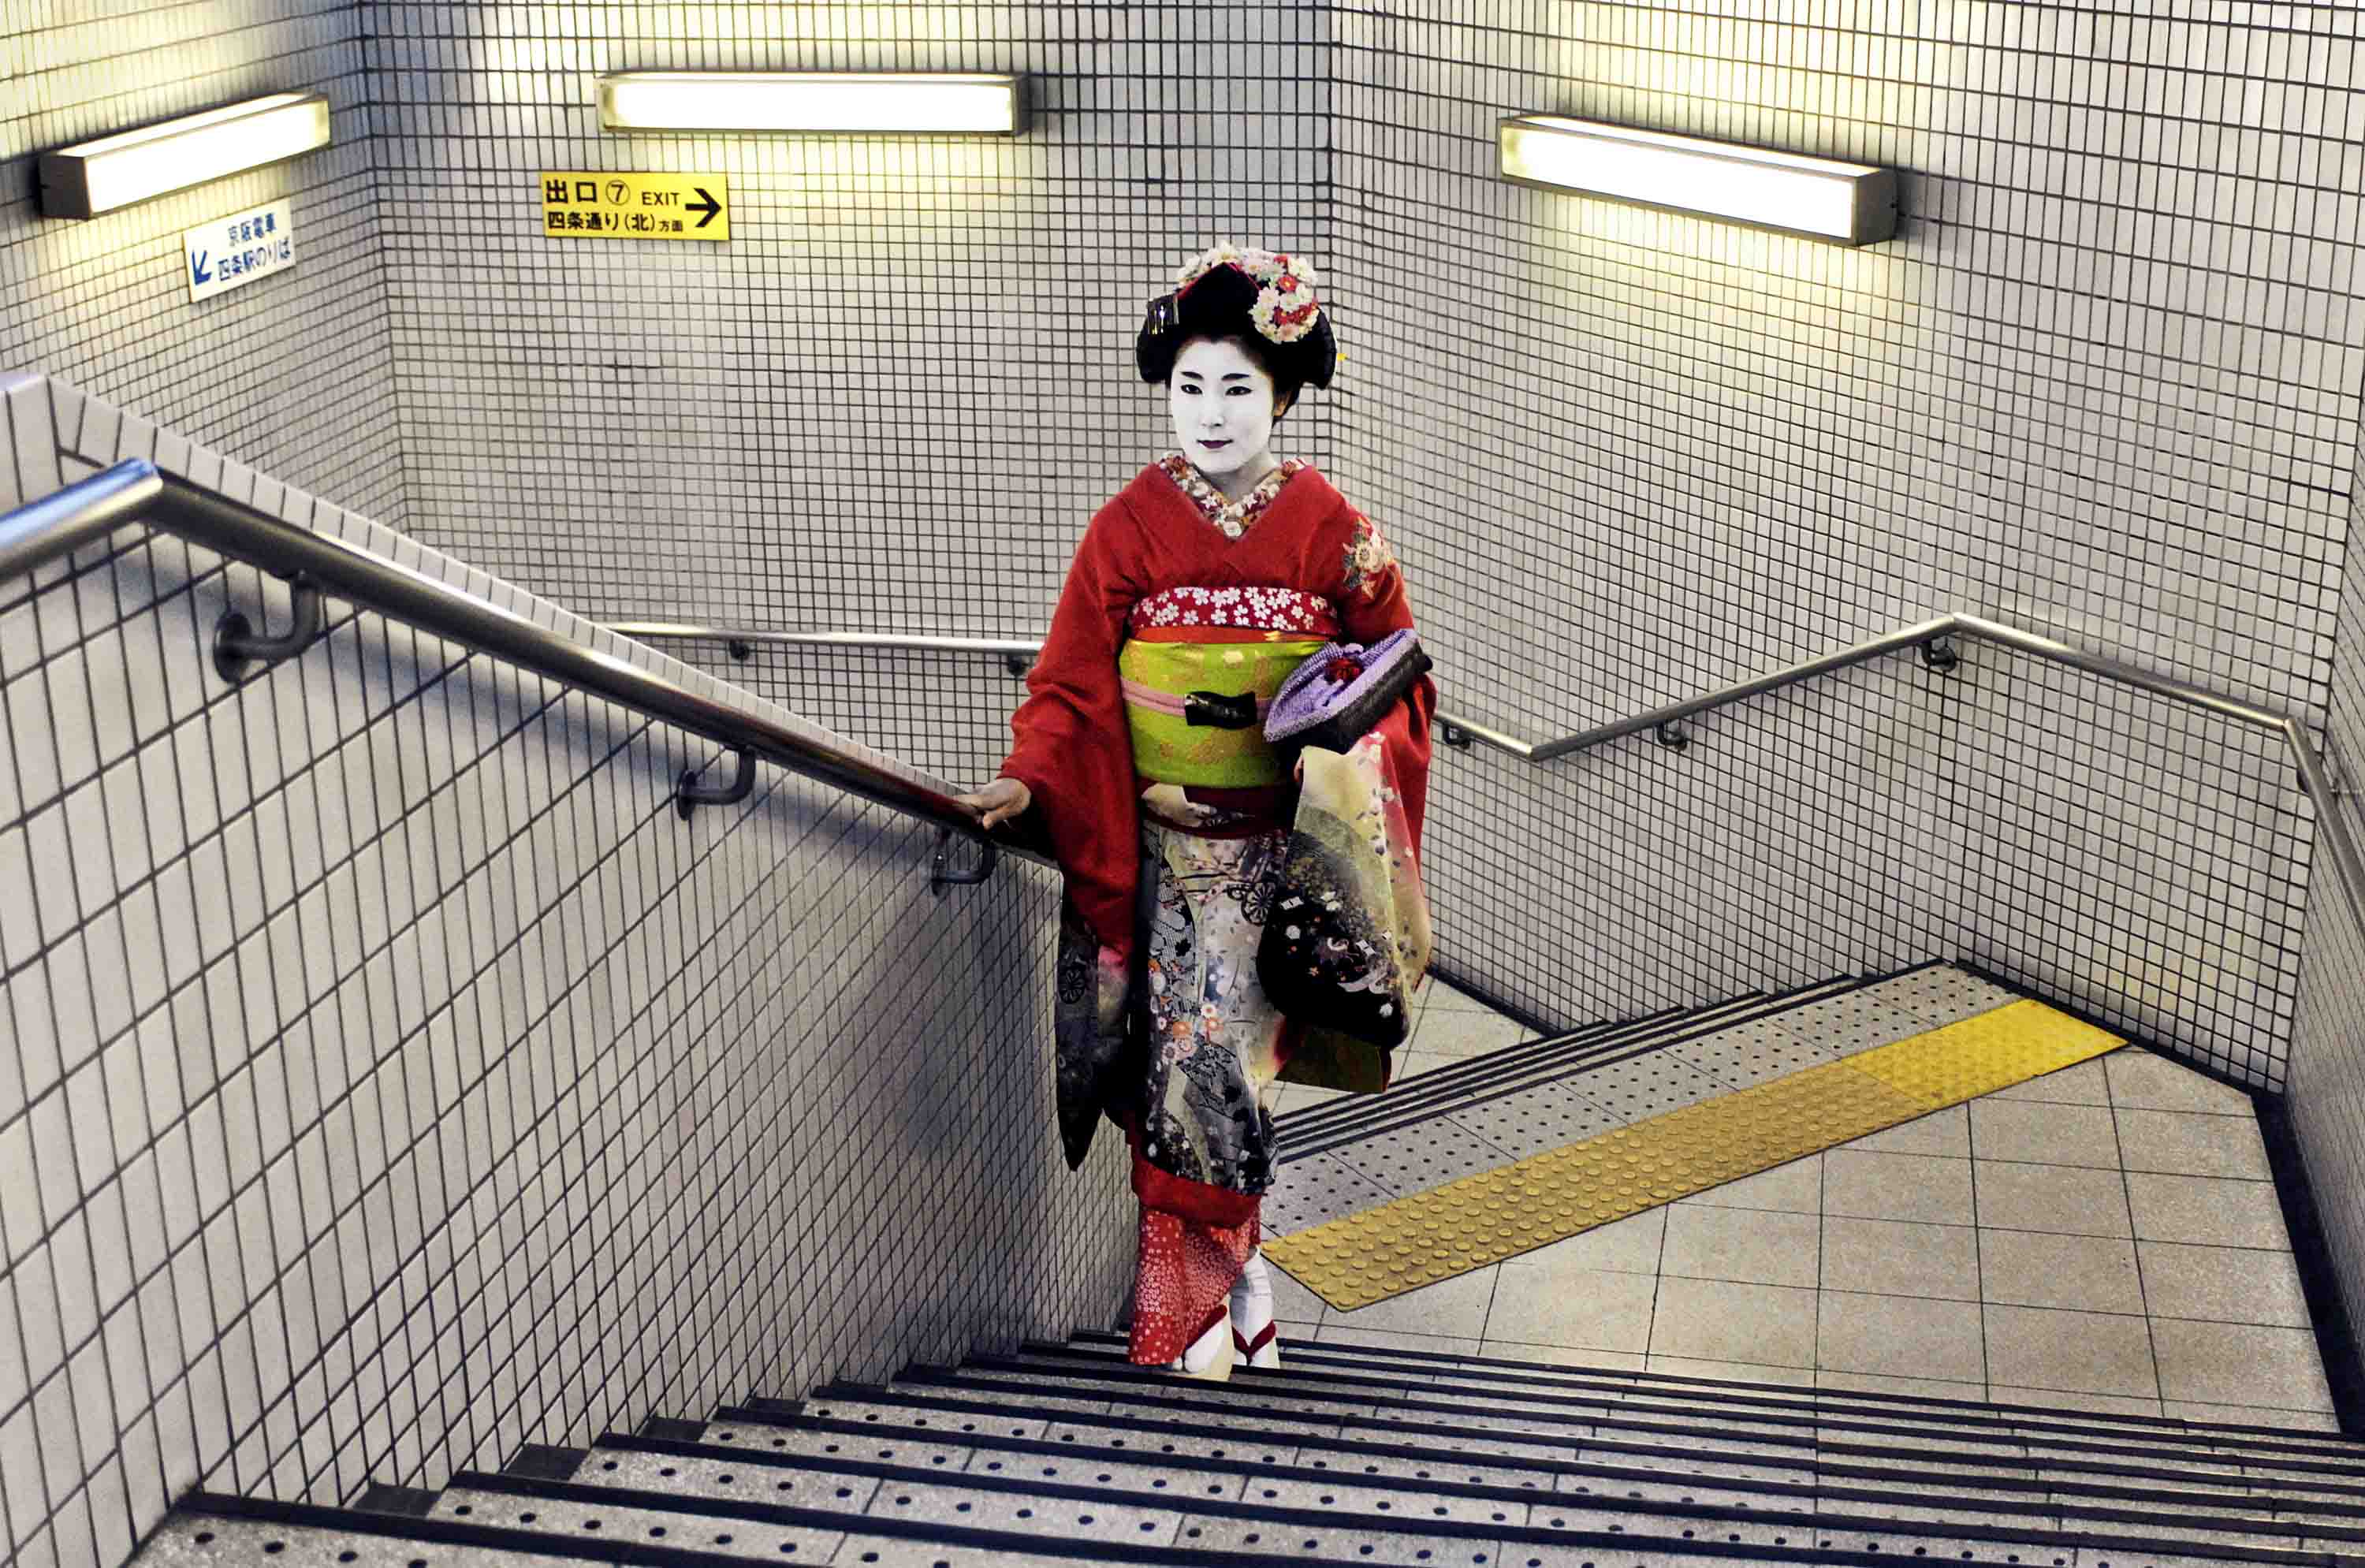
1939,655
239,648
940,874
690,793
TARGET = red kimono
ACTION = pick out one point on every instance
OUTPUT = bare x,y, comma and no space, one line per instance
1141,742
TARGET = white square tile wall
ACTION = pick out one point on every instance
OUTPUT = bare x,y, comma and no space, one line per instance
293,374
2105,384
393,1079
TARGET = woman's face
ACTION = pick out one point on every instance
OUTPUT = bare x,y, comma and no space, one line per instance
1222,404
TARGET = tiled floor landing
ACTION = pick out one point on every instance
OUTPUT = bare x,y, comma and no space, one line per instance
2105,1238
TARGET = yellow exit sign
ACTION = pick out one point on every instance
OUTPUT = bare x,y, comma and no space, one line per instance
577,204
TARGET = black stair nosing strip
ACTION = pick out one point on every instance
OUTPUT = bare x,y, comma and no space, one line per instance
1809,1491
671,1427
873,1394
1065,1364
2337,1345
1467,1529
2046,1418
1966,1459
1575,1045
1491,1070
1395,1114
405,1501
548,1461
547,1543
1556,1053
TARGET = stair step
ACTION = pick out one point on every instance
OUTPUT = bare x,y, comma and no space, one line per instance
1478,1374
1498,1073
889,1432
1796,1451
1072,1444
1115,1502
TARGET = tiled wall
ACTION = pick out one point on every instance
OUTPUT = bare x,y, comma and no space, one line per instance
295,372
393,1079
896,396
2104,384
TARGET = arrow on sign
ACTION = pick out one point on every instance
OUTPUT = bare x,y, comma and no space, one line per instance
197,266
705,203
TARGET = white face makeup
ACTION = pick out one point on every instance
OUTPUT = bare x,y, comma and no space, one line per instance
1222,404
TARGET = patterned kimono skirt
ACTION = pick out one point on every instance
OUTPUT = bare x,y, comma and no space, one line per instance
1215,1042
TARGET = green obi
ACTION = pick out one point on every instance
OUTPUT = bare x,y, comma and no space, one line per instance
1196,709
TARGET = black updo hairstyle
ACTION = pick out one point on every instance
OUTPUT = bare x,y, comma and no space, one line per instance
1217,305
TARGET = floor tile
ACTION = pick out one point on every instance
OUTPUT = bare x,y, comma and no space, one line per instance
1794,1188
2077,1273
1734,1372
1587,1309
2083,1084
1885,1257
2223,1284
1917,1387
1629,1246
1456,1307
2059,1198
1900,1337
2093,1404
2142,1081
1718,1320
1292,1302
1564,1355
2074,1352
1748,1245
1456,1033
1945,1133
1413,1063
2187,1144
2041,1132
2253,1416
2227,1362
1383,1340
1896,1186
2208,1211
1301,1096
1438,995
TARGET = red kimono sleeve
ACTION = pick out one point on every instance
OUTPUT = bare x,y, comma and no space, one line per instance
1072,749
1371,606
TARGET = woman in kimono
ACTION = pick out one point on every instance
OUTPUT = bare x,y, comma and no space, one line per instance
1140,760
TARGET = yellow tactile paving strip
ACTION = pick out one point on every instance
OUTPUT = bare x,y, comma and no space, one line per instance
1482,1219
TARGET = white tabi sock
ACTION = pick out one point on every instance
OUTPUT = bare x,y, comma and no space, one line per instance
1253,1309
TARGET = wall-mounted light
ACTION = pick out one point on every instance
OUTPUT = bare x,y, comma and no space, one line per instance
1823,198
842,102
130,166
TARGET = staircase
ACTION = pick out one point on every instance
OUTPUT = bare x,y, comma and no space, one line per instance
1066,1454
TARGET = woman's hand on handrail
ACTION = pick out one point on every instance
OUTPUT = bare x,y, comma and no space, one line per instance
998,802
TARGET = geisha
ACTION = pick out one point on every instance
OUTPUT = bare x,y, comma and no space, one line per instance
1140,759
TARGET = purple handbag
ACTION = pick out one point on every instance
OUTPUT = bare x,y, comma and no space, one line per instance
1338,695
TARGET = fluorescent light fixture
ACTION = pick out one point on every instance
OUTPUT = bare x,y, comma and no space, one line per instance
133,165
843,102
1855,203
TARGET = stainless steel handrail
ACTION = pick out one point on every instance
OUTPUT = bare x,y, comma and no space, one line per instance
138,492
2347,865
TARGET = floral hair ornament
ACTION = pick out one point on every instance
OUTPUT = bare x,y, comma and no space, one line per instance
1285,308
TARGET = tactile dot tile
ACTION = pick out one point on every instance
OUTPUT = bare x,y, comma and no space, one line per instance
639,1527
1386,1507
1235,1446
1551,1116
1071,1518
1994,1050
1148,1484
915,1439
1026,1424
188,1540
1309,1192
1421,1239
1751,1054
1646,1085
739,1481
1891,1010
1344,1542
1420,1158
